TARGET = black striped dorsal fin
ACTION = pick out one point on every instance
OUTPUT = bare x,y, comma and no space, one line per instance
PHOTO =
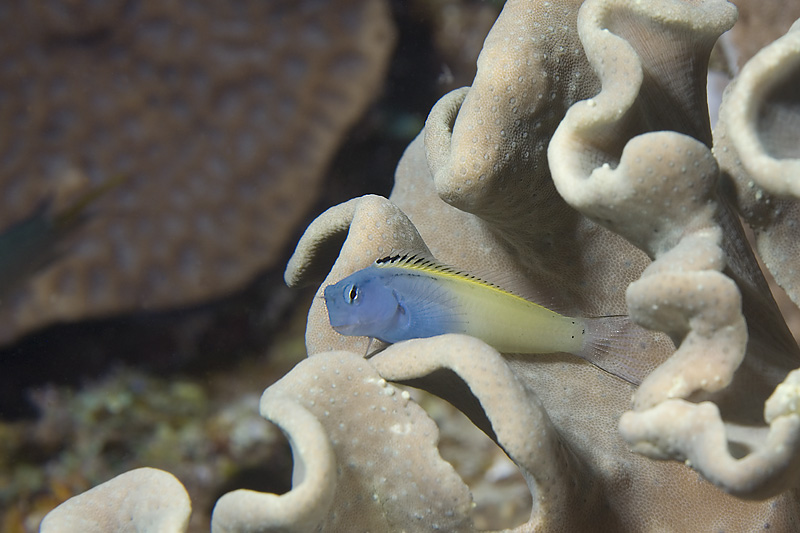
423,264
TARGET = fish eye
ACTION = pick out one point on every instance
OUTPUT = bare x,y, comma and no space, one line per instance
351,293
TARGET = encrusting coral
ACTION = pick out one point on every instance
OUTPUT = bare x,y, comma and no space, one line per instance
578,167
756,146
222,117
650,176
352,434
145,499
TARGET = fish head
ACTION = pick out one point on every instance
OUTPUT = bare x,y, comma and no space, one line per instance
362,304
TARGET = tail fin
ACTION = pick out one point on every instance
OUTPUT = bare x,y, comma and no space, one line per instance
618,346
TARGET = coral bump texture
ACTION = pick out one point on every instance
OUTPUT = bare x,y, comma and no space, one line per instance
579,168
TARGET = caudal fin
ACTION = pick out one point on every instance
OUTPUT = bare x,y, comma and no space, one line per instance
618,346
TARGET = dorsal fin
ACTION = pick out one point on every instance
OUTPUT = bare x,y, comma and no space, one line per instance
423,264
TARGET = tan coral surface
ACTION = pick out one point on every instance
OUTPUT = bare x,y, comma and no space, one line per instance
578,167
145,499
223,117
352,434
656,189
757,147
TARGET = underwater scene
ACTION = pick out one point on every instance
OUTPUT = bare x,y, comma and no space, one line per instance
399,265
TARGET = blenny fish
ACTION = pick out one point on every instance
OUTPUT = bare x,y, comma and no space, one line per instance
405,297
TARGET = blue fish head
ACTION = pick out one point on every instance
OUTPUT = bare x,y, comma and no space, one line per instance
362,304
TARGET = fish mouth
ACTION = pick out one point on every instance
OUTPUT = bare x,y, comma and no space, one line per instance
346,329
336,317
328,294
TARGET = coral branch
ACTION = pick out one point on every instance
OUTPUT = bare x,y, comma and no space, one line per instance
365,457
564,491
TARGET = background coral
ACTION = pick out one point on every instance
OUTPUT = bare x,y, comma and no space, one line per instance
223,116
98,426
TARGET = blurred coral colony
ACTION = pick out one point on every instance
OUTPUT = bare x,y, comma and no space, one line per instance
159,162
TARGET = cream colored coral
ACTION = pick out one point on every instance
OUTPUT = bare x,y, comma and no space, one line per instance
566,498
756,145
762,118
313,481
365,458
744,462
142,500
656,188
785,401
623,491
659,191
